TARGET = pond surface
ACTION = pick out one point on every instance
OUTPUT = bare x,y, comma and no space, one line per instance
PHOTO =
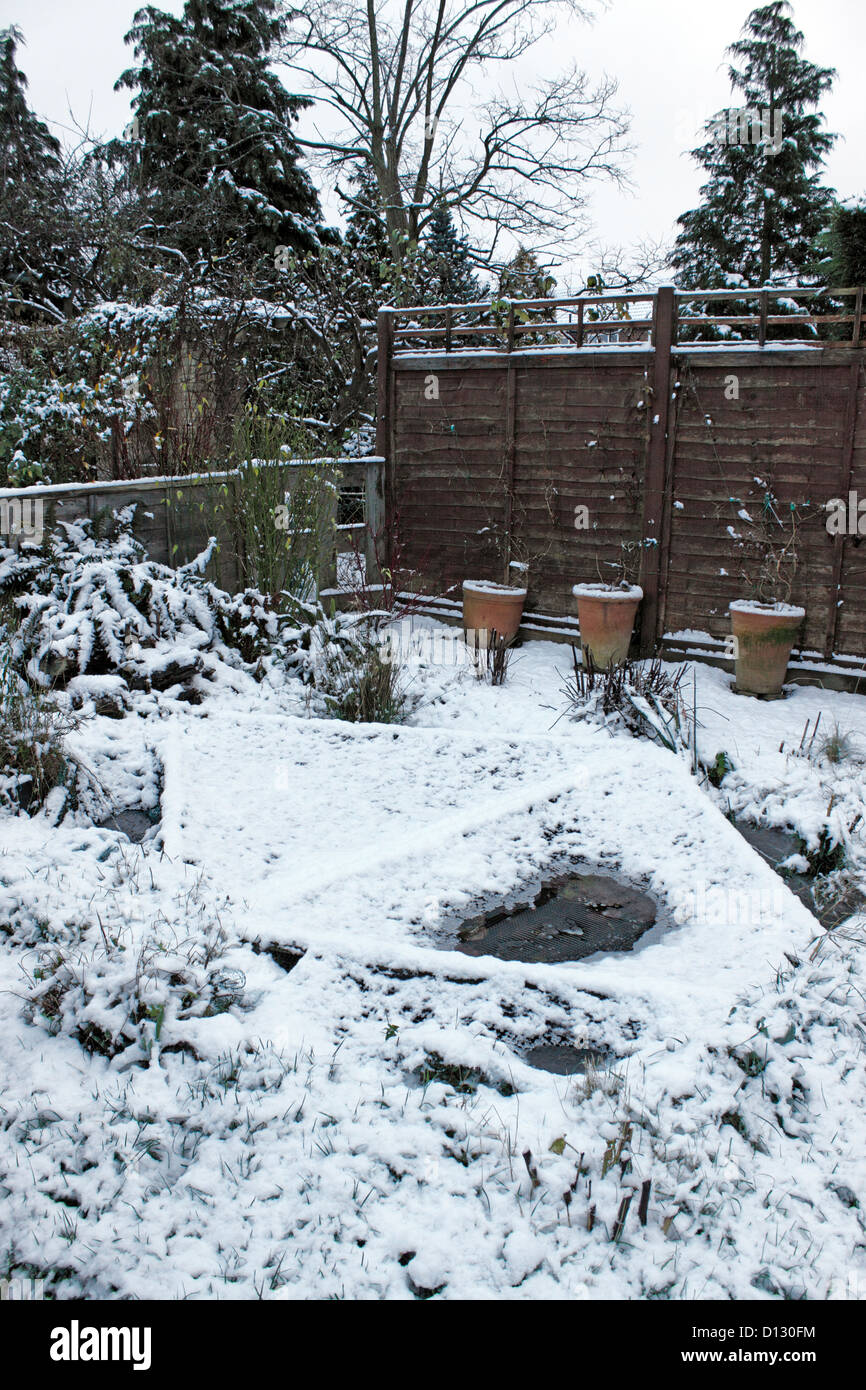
133,824
564,1060
775,845
572,917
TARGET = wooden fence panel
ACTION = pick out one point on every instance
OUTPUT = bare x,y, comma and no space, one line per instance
495,461
850,634
580,443
448,466
781,437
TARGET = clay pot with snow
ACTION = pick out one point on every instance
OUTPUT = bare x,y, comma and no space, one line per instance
489,607
606,614
764,635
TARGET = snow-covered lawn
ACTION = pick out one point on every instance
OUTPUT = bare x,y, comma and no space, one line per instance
364,1125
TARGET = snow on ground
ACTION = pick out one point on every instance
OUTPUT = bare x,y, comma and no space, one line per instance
364,1124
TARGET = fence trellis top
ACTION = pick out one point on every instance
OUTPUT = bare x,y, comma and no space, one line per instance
596,316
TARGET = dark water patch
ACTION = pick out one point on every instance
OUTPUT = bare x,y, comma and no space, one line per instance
135,825
834,909
776,845
572,917
286,957
565,1060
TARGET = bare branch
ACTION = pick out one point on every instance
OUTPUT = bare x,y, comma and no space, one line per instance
396,84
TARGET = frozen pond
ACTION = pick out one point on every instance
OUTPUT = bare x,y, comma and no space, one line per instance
574,916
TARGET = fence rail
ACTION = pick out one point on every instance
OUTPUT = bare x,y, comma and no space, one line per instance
585,320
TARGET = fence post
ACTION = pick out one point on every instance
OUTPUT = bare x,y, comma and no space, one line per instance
510,447
385,339
850,430
374,516
764,302
858,316
326,562
654,481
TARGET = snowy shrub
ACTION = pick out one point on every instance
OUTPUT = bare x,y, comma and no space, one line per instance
355,674
281,518
642,697
77,390
491,657
91,604
32,729
129,387
719,769
359,442
825,854
116,995
838,746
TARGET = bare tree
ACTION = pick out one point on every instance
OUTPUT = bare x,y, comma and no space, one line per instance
395,80
637,267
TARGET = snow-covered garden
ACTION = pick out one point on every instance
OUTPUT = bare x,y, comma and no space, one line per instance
242,1054
354,946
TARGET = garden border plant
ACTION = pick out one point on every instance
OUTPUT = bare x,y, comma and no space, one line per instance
33,760
279,514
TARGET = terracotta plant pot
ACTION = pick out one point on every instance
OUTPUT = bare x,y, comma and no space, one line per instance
764,634
606,616
489,607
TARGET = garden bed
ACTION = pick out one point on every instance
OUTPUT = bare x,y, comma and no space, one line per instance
243,1064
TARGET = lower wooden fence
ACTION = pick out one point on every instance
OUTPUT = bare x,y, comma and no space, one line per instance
175,517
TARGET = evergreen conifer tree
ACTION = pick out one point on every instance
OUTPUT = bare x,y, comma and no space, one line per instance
217,160
762,204
34,281
446,263
363,255
842,246
524,278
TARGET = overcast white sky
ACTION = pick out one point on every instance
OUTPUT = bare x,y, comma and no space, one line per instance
667,55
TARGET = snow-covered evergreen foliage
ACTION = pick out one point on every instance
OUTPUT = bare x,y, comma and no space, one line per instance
91,604
763,203
34,263
842,246
216,156
523,277
447,269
